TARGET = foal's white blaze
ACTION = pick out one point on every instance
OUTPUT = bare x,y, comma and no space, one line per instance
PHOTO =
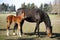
7,32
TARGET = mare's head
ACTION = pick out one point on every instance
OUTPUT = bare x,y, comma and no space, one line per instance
22,15
21,12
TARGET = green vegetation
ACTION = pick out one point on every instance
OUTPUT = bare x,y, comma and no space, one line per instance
5,7
45,7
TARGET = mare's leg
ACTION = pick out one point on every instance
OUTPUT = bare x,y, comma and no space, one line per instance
37,27
15,27
21,24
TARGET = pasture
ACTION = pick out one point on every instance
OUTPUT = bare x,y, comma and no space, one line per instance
28,29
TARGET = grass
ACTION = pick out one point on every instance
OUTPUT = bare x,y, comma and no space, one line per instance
28,29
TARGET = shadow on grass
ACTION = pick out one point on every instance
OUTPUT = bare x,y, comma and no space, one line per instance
26,39
22,39
43,34
57,35
10,39
4,29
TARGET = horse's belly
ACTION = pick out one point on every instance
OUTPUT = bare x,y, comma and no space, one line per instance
29,20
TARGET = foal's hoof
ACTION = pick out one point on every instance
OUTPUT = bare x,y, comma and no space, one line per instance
7,35
13,33
19,35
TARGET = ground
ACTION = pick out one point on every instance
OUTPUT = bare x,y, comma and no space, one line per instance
28,29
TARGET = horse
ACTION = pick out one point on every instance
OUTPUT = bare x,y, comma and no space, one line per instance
37,16
14,19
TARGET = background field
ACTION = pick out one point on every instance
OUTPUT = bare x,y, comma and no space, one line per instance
28,29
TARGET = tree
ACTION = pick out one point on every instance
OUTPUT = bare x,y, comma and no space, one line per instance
4,7
46,7
41,7
14,8
28,5
32,5
50,7
23,5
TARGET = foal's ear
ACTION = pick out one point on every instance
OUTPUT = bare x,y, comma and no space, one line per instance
23,14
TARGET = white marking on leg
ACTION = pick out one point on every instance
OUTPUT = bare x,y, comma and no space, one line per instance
7,32
19,34
13,33
19,29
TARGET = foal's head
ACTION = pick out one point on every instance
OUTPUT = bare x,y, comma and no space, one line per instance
22,15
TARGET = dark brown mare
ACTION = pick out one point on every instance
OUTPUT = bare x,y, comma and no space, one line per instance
37,16
14,19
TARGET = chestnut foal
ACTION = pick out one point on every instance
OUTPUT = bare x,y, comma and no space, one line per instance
14,19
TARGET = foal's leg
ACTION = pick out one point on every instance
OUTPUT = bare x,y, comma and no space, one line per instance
8,26
19,29
15,27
